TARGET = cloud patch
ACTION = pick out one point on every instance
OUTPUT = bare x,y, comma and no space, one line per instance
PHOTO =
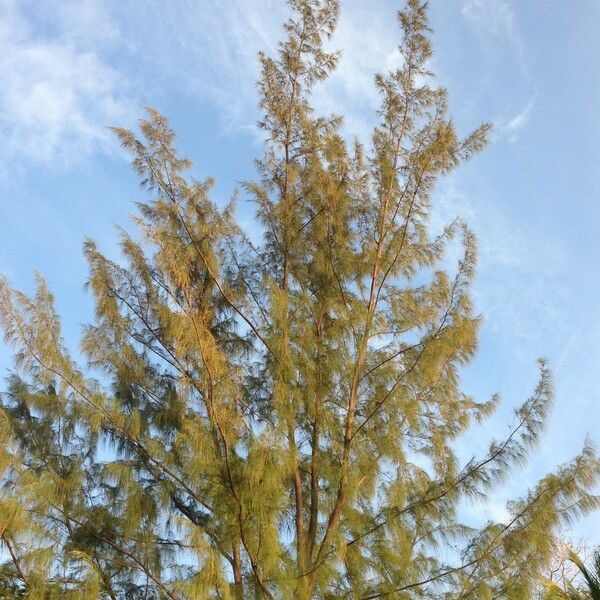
57,95
495,16
520,120
214,54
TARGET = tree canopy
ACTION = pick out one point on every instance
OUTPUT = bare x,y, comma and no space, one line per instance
276,419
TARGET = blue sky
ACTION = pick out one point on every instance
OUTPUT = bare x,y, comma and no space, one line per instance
69,68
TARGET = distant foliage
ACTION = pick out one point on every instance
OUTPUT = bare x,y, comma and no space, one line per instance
275,420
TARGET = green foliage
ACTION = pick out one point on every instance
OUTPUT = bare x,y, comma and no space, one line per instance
275,421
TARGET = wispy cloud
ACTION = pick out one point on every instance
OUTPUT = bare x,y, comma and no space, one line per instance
521,119
495,16
368,39
215,52
495,23
212,56
57,93
518,121
514,270
68,69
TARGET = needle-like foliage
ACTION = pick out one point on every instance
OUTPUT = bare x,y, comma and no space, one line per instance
276,420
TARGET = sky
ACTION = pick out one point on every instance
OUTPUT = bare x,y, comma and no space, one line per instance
70,68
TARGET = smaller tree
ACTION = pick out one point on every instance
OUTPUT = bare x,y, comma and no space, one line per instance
573,580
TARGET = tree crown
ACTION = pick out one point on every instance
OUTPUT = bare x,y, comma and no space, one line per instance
275,420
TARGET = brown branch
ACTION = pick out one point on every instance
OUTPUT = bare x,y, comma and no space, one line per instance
14,558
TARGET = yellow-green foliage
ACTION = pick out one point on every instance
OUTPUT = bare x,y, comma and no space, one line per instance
275,421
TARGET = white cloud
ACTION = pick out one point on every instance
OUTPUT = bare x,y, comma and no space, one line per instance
57,94
207,48
495,16
516,123
60,88
368,39
86,22
215,51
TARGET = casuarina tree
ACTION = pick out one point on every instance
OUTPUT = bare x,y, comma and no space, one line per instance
276,419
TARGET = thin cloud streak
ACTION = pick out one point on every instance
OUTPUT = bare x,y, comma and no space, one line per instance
519,121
